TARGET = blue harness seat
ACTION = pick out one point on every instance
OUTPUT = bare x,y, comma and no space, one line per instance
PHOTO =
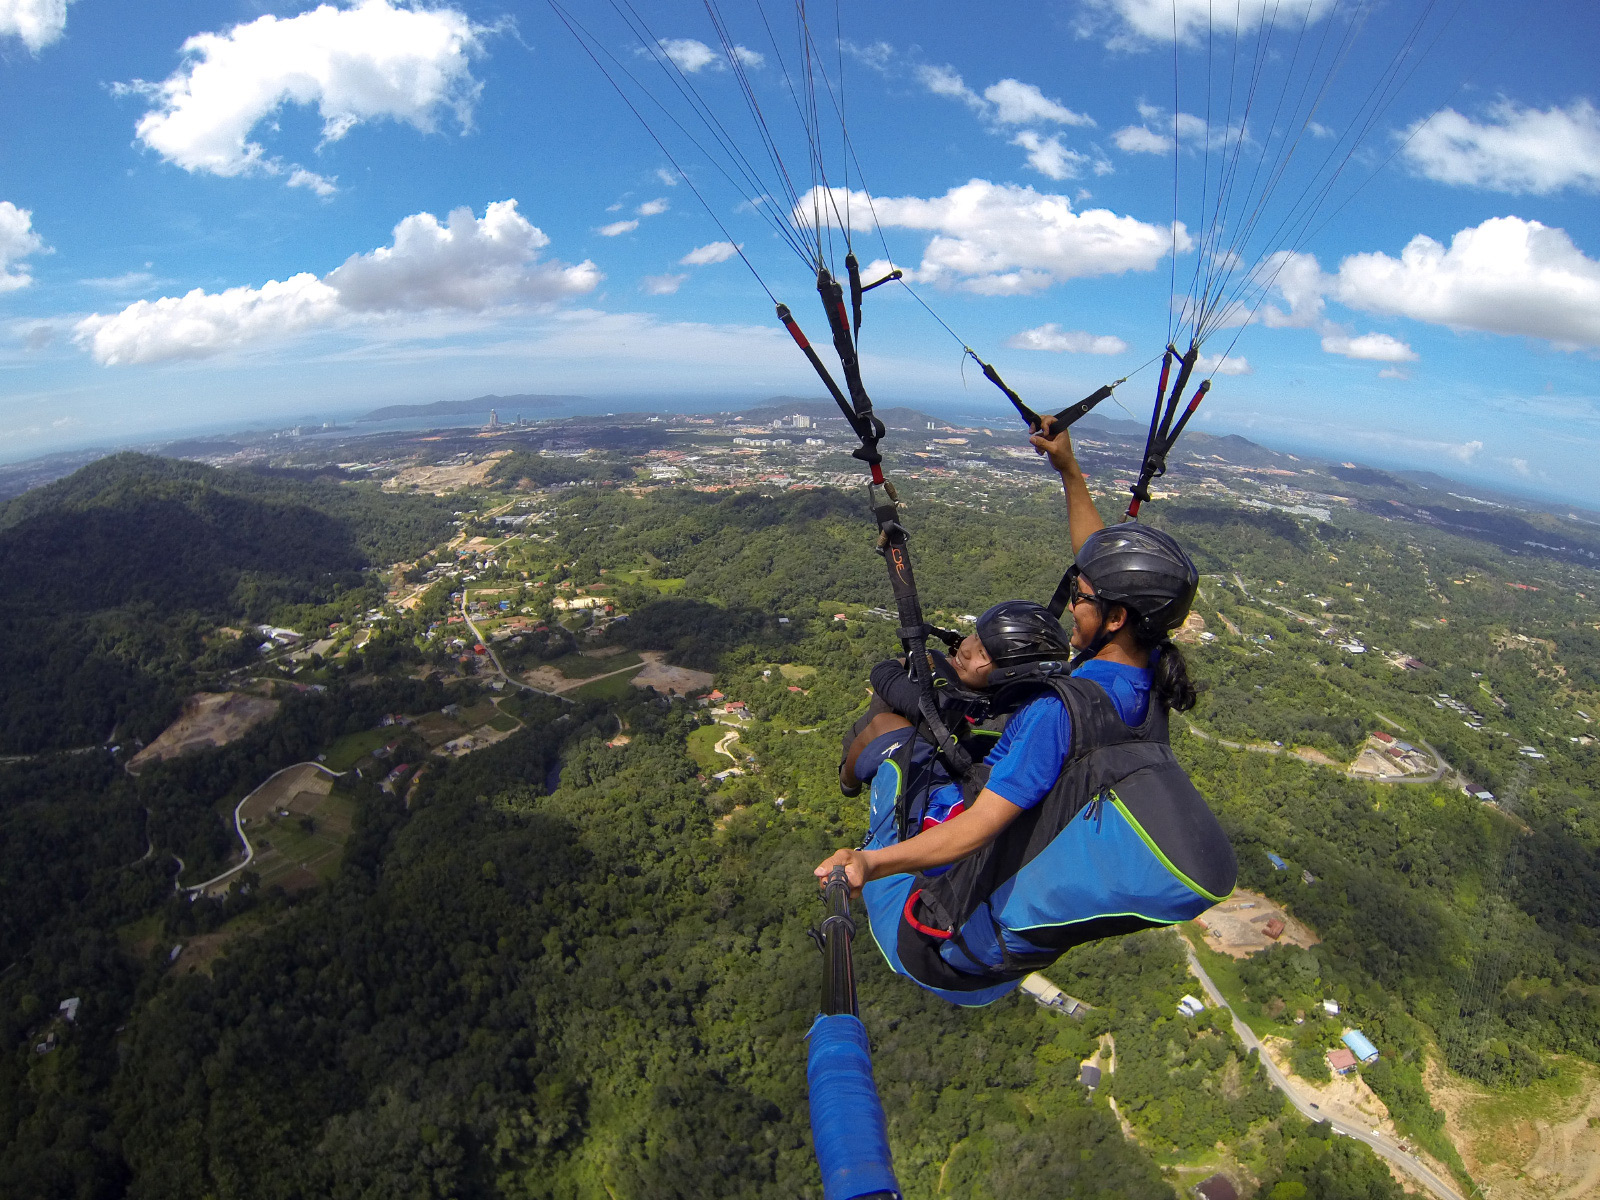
1122,842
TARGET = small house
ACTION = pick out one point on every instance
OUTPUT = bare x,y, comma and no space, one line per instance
1190,1007
1089,1076
1331,1007
1048,995
1363,1049
1341,1061
1381,736
68,1008
1273,929
1277,863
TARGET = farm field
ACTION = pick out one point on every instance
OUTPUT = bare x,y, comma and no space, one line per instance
611,687
353,747
702,748
587,666
302,849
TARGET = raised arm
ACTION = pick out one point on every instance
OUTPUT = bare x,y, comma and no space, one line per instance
1083,518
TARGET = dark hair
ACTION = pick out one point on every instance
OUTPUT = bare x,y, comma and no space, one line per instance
1169,677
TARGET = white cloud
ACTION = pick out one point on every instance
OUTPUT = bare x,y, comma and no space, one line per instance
690,55
1001,239
17,241
1135,23
617,228
1373,347
364,63
753,59
1220,364
1394,373
1009,102
1506,275
37,23
1299,279
322,185
1136,139
945,81
877,56
661,285
128,281
653,208
1161,131
1018,103
1465,452
468,264
1066,341
711,252
1518,149
666,177
1048,156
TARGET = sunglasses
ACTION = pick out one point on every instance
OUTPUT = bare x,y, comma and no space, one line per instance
1075,594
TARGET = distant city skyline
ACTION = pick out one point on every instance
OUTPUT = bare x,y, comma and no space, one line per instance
221,214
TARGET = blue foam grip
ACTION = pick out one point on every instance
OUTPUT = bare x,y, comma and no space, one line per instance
847,1125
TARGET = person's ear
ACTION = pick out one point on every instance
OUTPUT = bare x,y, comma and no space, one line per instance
1116,618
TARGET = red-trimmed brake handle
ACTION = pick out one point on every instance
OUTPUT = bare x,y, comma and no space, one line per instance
873,431
908,913
1155,463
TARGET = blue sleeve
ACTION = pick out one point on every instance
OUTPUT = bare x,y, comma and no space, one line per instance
1029,756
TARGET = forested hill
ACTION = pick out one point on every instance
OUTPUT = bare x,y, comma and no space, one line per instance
567,957
111,578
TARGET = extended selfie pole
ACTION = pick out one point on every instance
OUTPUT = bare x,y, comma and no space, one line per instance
847,1123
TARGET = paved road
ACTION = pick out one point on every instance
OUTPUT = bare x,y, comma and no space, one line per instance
495,658
1408,1163
238,827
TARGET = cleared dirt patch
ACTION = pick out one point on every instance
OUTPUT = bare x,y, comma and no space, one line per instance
1537,1143
678,680
1237,927
440,478
208,719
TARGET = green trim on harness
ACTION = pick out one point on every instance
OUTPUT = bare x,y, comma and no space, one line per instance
1150,844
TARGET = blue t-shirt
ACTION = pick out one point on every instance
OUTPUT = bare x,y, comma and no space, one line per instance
1028,758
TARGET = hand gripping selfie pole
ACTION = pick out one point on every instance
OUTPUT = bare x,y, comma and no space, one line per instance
847,1123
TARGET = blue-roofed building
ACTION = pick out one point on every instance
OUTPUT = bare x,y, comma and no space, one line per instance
1277,863
1359,1045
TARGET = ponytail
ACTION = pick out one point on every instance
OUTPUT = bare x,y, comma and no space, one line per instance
1170,677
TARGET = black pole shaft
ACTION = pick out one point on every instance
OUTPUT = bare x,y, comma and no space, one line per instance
838,930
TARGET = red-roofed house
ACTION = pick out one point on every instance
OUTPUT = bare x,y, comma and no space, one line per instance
1341,1061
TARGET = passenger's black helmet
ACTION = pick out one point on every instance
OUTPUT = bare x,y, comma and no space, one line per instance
1145,571
1020,631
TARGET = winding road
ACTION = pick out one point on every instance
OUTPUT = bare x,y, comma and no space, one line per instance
495,658
1409,1163
238,826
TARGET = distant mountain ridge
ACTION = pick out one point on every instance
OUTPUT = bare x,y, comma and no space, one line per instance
457,408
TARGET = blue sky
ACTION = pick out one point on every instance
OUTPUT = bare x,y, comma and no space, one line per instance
219,213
